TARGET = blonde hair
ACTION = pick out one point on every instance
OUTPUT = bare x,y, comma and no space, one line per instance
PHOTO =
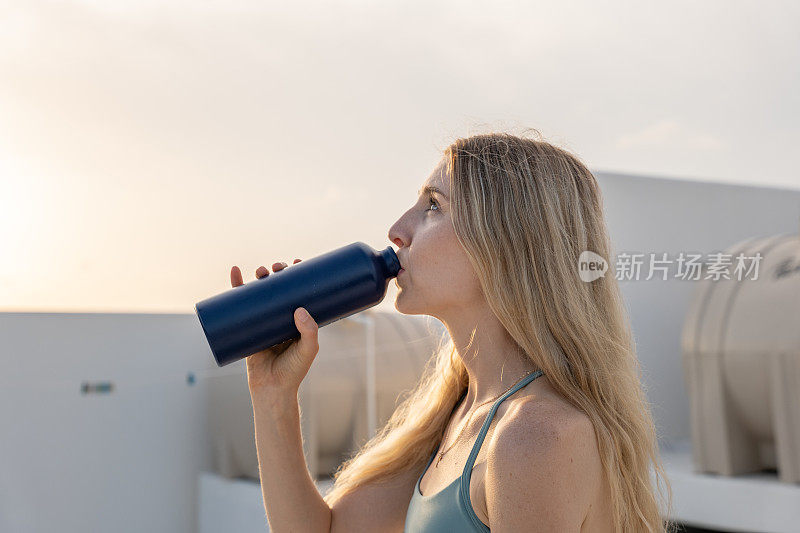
524,210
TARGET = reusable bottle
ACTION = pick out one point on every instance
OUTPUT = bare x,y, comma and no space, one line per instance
260,314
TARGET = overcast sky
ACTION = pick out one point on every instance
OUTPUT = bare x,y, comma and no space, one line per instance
145,147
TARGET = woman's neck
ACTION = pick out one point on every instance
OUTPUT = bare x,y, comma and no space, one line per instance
494,361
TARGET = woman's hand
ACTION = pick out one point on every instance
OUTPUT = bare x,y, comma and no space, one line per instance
281,368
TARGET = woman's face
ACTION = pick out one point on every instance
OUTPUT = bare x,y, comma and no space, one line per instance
437,279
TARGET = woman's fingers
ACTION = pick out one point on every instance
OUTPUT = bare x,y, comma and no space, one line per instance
262,271
236,276
276,267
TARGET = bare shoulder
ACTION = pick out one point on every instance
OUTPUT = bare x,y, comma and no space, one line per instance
543,466
536,424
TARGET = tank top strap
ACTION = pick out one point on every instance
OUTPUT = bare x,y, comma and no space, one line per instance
476,448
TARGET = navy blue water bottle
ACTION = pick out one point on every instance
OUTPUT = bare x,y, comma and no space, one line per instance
260,314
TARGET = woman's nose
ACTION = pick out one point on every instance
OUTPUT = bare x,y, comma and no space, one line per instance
394,235
400,232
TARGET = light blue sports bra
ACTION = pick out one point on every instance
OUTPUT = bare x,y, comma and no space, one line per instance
450,509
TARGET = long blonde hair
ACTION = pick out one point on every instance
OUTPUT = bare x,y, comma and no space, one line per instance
524,210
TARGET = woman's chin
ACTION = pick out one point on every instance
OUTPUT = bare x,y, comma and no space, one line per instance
399,299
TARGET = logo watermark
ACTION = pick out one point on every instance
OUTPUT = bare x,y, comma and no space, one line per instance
591,266
688,266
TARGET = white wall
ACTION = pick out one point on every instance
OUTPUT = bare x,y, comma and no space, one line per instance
125,461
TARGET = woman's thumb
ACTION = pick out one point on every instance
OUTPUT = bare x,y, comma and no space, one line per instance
308,346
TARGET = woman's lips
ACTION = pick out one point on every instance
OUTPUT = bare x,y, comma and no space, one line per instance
401,271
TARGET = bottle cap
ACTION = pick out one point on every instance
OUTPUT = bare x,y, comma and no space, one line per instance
390,262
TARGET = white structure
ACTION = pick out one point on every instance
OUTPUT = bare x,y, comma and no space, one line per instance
741,355
139,456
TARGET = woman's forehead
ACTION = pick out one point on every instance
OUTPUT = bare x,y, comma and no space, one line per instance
437,179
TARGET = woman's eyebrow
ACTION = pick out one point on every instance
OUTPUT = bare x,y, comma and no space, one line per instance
431,188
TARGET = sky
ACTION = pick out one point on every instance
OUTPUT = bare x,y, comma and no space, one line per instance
148,146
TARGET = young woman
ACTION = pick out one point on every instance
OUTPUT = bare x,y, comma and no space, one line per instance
531,416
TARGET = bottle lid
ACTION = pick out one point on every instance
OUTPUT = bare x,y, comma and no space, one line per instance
390,261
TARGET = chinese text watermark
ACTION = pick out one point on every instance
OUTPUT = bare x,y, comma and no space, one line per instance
685,266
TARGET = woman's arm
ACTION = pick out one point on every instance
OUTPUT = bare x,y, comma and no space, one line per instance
291,500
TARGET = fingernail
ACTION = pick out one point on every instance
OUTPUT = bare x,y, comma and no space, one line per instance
304,316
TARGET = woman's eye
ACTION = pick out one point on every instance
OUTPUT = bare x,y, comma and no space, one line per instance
432,202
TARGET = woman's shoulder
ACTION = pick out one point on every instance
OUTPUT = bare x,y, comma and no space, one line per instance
544,450
540,421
